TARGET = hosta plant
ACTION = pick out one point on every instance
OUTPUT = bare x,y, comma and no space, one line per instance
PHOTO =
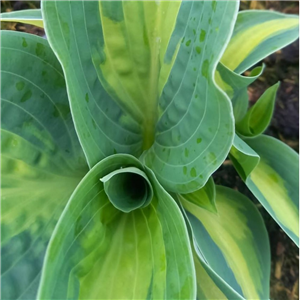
112,127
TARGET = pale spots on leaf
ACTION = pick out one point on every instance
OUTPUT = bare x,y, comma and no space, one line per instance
198,49
204,69
199,140
188,43
186,152
26,96
211,158
61,110
202,35
87,98
40,50
24,44
20,85
184,170
214,5
193,172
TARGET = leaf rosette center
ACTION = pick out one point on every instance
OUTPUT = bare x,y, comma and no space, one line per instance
128,189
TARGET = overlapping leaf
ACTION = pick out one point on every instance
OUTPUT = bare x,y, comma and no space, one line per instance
204,197
99,252
28,16
105,123
274,180
195,128
210,285
233,242
259,116
245,159
256,35
41,159
235,86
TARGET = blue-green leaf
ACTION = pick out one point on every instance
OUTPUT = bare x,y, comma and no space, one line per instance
41,159
195,129
204,197
128,188
259,116
257,34
105,116
235,86
233,242
99,252
28,16
275,182
244,158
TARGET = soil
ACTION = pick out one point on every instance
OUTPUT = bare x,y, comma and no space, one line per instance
281,66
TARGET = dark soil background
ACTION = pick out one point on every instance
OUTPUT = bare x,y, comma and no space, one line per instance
281,66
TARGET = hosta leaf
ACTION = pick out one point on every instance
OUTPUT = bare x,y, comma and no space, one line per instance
128,188
77,32
275,182
257,34
209,284
234,242
244,158
195,129
41,159
204,197
28,16
235,86
99,252
259,115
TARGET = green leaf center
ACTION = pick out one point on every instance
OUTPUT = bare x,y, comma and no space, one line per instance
128,189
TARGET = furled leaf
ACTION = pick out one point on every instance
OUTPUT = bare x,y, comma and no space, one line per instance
275,182
257,34
128,188
235,86
259,115
28,16
244,158
99,252
234,242
195,127
41,159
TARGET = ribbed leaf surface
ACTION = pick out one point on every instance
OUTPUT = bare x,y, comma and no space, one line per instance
41,159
